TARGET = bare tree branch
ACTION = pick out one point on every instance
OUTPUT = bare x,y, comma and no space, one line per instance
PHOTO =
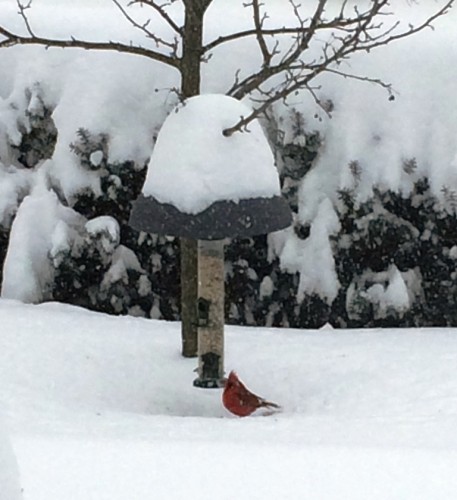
426,24
254,81
22,9
360,78
11,39
337,24
160,9
258,23
144,28
362,31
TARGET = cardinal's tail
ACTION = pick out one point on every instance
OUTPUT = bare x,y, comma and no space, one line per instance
268,404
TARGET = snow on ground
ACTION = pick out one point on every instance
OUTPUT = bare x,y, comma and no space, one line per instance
9,476
103,407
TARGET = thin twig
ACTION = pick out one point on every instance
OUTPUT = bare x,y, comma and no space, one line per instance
22,9
160,9
258,23
144,28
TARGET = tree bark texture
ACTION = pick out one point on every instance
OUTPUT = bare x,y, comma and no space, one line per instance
190,86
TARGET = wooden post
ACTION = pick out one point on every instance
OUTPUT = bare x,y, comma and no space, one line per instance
210,314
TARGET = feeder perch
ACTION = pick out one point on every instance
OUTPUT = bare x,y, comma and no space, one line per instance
207,187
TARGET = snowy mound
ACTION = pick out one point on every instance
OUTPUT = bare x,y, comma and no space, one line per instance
194,165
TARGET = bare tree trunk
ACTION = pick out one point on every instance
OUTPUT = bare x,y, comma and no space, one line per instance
190,261
192,50
189,297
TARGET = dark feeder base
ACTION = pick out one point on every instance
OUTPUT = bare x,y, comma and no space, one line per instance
209,383
222,219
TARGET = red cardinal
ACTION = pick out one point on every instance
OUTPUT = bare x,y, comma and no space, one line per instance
238,399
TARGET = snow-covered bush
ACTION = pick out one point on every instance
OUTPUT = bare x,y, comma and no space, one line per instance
371,183
38,133
348,262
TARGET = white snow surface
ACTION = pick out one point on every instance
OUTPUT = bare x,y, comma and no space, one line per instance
9,474
103,407
194,165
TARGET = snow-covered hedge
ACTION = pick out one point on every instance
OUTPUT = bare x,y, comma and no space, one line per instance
372,183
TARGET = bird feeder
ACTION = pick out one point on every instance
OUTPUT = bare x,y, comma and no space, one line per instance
204,186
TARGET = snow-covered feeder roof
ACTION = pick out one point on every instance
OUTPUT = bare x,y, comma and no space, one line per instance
204,185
